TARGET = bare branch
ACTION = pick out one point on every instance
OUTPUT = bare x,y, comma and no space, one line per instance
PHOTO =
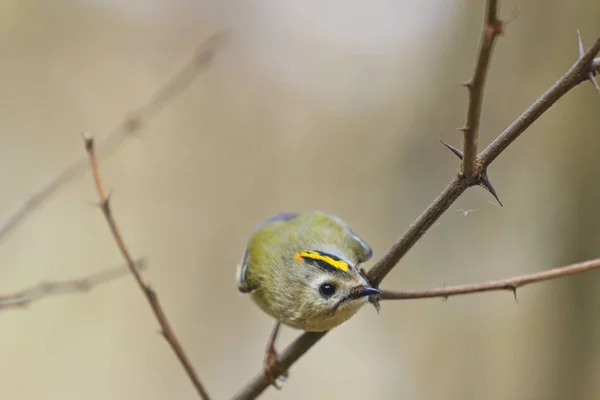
575,75
52,288
148,292
392,256
510,284
131,124
286,358
492,28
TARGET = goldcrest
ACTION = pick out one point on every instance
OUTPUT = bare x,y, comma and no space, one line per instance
303,270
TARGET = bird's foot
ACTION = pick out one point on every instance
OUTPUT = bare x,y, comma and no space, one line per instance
270,370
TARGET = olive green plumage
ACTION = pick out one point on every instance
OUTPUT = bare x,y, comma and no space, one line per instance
303,269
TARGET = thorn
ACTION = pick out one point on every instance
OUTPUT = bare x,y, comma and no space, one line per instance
513,288
453,149
105,204
375,301
102,205
501,24
592,73
593,79
466,84
484,181
581,52
463,129
445,298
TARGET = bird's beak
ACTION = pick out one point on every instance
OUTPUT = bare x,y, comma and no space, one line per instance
362,291
357,293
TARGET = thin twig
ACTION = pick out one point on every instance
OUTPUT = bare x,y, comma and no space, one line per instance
289,356
510,284
492,28
308,339
394,254
131,124
575,75
148,292
25,297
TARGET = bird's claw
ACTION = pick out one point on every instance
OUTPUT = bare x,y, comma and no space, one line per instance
271,366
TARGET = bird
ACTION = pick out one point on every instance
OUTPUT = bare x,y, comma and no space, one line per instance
303,269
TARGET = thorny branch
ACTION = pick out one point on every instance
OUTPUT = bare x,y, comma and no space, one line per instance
492,28
473,172
42,290
510,284
578,73
148,292
131,124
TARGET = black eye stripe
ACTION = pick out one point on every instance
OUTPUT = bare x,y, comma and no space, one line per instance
333,256
320,263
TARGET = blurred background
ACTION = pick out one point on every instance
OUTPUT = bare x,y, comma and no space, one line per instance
331,105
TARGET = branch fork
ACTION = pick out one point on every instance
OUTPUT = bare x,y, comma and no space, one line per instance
480,176
493,27
152,298
45,289
472,169
473,172
132,123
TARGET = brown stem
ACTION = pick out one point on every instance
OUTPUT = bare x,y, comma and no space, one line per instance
492,28
576,74
511,284
288,357
136,119
392,256
42,290
148,292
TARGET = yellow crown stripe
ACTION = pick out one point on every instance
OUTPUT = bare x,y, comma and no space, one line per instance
315,255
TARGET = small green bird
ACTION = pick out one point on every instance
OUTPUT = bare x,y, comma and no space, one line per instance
303,270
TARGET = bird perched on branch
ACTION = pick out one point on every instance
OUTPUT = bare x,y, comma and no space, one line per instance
303,270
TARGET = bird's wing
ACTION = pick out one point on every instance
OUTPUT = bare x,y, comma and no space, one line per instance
243,271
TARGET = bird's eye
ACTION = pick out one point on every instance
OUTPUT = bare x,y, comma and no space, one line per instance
327,289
